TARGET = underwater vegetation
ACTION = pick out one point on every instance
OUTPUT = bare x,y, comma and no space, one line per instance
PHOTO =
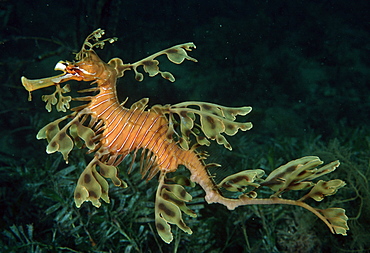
327,75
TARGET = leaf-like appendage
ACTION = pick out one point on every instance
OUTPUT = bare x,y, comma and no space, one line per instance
93,40
170,201
109,171
151,67
50,100
297,174
240,181
330,167
277,179
58,139
74,135
92,186
177,195
181,180
322,189
62,102
337,219
50,130
61,142
163,228
86,134
214,120
176,54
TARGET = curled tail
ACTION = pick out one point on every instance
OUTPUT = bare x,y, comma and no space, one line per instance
295,175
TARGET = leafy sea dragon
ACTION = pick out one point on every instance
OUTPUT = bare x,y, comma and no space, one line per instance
164,137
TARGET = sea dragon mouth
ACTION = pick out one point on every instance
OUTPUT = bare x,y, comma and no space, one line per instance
70,72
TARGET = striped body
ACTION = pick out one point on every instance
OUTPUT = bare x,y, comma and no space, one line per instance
128,130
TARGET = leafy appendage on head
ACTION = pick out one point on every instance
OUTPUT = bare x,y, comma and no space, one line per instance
62,102
170,201
93,40
214,120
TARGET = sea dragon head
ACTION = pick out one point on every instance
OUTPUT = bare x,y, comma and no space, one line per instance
86,67
79,71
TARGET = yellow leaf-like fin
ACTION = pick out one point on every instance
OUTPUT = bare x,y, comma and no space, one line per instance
170,201
92,186
239,181
176,54
214,121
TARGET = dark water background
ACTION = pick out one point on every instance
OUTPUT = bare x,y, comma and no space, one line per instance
303,66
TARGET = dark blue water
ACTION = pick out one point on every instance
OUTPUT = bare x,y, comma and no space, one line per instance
302,65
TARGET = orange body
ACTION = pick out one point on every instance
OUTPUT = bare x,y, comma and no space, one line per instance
127,130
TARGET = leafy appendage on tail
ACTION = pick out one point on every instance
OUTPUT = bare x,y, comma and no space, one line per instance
214,120
337,219
295,175
240,181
